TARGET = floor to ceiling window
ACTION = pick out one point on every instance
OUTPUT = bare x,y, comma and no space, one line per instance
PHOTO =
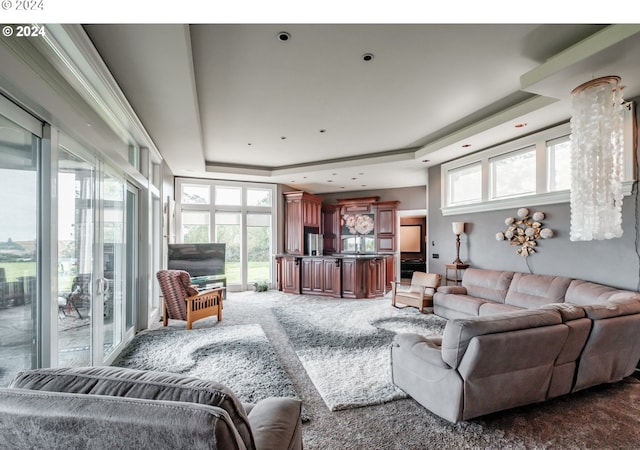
19,150
240,215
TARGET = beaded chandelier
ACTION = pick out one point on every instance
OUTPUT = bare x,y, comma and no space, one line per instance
597,160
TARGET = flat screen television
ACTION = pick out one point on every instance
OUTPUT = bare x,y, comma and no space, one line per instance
200,260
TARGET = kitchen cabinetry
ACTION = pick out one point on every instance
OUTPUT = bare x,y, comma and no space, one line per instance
376,277
320,276
290,272
386,226
331,228
302,216
353,278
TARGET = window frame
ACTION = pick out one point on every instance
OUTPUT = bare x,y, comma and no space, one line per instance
243,209
542,196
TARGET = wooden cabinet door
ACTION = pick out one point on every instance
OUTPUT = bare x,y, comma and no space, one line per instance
353,278
390,261
306,275
291,275
386,218
331,229
331,277
376,278
294,239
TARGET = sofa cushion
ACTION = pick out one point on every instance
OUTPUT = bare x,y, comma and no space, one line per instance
532,291
491,308
613,308
132,383
458,333
59,420
487,284
568,311
583,293
461,303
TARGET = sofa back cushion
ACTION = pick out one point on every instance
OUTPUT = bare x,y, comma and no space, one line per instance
532,291
55,420
458,333
132,383
487,284
583,292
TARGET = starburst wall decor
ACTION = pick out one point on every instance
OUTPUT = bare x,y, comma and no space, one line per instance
523,231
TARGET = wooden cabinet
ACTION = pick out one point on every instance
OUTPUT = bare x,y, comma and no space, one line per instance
302,211
320,276
353,278
290,271
376,277
390,261
331,228
386,226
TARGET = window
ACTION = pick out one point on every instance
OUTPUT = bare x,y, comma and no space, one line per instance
533,170
558,162
240,215
464,184
195,194
513,174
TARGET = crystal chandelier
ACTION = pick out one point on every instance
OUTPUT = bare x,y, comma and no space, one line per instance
597,160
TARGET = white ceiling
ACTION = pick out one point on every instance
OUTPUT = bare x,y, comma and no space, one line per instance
235,102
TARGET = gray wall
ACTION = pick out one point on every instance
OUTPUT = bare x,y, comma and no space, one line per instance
614,262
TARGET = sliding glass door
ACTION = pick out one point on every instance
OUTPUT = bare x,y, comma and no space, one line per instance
18,249
92,256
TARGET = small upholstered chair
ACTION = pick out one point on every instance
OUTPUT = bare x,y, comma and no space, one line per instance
420,292
184,302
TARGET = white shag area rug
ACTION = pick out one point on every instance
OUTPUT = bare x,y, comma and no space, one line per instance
345,346
240,357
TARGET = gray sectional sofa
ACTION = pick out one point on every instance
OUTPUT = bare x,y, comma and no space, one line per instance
119,408
513,339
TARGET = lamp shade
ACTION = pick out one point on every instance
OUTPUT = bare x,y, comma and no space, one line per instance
458,227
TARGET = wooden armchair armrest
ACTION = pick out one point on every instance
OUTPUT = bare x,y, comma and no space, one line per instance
204,304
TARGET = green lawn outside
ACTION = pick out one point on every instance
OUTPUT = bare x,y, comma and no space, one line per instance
13,270
258,271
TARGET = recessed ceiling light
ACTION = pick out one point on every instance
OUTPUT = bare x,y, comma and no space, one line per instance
283,137
367,57
425,160
329,181
334,174
249,143
361,173
363,185
521,125
466,145
323,131
283,36
354,178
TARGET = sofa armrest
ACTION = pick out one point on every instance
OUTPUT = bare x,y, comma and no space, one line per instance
460,290
276,424
426,349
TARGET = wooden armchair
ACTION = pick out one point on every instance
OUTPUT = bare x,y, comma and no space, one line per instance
420,292
184,302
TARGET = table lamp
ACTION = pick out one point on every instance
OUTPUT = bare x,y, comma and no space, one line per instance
458,229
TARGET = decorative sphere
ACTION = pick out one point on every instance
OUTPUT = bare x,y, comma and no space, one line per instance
508,234
530,232
509,220
523,212
500,236
546,233
538,216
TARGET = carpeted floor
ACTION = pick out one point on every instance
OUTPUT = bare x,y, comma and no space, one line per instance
344,347
604,417
239,357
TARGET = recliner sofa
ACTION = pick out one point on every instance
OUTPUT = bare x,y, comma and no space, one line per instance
514,339
118,408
